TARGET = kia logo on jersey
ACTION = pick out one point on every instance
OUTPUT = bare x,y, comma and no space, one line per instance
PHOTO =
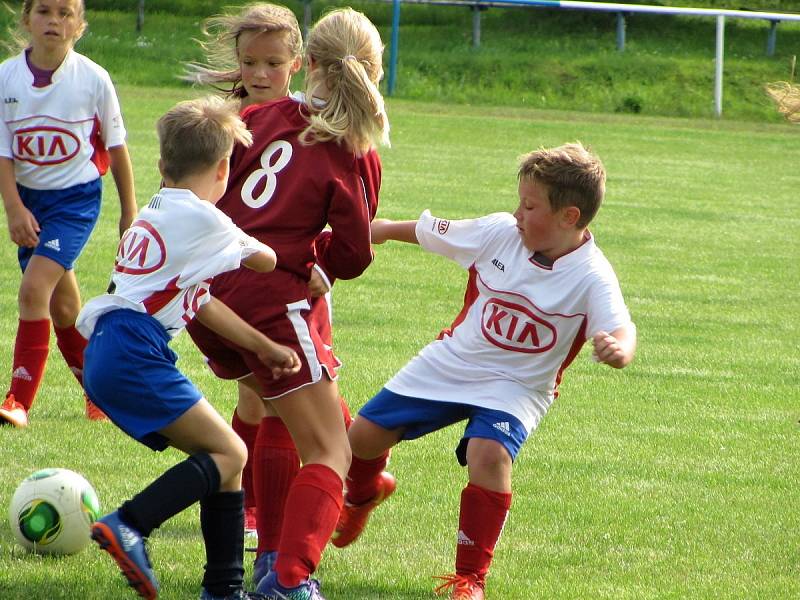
514,327
45,145
141,250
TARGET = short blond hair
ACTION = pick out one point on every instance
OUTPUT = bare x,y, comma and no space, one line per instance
572,176
195,135
221,44
347,53
787,98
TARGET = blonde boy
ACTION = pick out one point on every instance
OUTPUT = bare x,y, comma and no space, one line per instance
538,289
163,271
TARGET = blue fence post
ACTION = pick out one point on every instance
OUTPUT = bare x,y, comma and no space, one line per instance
771,37
620,31
393,50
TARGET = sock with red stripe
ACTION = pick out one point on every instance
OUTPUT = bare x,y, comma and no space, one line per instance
71,344
312,509
248,433
30,357
275,466
362,478
480,522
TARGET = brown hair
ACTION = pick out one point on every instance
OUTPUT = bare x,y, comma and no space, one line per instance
221,44
787,97
346,51
196,134
572,176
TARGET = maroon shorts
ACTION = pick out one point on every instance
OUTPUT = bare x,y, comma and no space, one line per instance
295,324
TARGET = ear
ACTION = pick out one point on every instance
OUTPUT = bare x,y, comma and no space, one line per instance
570,215
222,169
296,65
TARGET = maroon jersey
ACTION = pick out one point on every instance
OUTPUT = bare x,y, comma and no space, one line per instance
284,193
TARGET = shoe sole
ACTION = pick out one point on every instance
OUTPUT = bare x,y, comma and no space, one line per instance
107,541
8,417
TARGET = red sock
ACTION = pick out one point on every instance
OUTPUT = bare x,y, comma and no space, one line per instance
362,478
72,344
30,357
345,413
312,509
480,522
248,432
275,466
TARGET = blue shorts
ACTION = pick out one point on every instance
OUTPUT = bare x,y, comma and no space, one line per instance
418,417
66,218
129,372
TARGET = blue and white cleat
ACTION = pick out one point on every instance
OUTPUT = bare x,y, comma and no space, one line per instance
237,595
272,590
265,562
126,547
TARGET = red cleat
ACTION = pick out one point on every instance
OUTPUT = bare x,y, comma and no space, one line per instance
353,518
93,412
461,587
13,413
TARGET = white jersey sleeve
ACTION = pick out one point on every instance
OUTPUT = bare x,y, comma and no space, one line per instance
462,241
112,129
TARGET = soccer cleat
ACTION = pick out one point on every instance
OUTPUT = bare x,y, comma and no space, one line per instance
13,413
237,595
93,412
272,590
263,564
461,587
126,547
353,517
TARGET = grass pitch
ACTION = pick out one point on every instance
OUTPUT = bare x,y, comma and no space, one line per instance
674,478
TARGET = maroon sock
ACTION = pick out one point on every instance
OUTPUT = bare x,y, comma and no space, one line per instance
312,509
30,357
248,433
71,344
275,466
480,522
363,477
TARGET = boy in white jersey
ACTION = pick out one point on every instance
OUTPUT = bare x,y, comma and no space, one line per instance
164,267
61,129
538,289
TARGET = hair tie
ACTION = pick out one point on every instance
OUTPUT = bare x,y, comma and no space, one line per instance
348,57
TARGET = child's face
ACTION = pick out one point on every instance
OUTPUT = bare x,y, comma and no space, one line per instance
267,65
54,25
542,229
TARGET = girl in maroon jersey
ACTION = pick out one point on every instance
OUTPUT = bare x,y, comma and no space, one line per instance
313,164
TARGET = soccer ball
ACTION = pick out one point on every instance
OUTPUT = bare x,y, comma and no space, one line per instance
52,512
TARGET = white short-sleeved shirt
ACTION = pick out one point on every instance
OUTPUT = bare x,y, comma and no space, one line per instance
522,323
167,258
57,135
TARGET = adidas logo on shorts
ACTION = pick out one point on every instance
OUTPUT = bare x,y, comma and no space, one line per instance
503,427
53,244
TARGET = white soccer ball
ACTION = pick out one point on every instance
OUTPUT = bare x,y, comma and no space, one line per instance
52,512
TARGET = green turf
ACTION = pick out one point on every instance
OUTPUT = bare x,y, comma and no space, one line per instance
674,478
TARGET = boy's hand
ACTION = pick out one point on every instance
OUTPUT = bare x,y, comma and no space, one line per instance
608,350
378,230
281,359
23,228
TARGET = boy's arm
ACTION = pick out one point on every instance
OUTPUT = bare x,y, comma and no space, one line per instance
261,262
215,315
22,225
401,231
616,349
122,171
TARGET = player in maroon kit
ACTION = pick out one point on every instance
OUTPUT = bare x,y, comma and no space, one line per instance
313,164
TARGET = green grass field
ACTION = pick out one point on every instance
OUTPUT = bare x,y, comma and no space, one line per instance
674,478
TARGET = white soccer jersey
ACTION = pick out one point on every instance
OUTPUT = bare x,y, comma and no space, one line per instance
57,135
522,322
167,258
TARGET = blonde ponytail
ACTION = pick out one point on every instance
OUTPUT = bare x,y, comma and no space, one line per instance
344,103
